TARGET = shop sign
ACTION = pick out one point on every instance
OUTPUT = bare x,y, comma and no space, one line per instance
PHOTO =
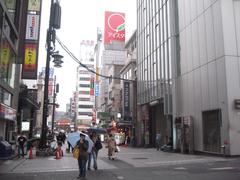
114,27
32,27
7,112
126,99
30,61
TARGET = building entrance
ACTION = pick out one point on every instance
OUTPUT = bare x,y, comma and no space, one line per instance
211,131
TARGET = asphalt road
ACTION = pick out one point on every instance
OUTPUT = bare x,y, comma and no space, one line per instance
219,170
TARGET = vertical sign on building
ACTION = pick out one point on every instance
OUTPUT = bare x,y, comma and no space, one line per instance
114,27
92,86
126,98
30,61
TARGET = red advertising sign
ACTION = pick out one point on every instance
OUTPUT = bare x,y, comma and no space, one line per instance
114,27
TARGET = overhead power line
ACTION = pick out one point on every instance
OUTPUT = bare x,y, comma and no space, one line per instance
65,48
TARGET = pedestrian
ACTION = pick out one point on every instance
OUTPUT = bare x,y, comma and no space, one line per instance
21,142
96,147
111,145
70,148
82,144
90,148
158,141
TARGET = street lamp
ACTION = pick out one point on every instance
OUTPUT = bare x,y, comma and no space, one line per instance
54,23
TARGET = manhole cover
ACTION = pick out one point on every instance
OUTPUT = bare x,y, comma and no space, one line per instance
139,158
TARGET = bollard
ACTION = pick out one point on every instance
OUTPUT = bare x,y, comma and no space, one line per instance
224,150
30,153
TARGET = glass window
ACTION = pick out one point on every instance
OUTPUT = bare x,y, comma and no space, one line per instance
85,113
84,85
83,92
5,97
7,63
11,6
85,106
84,78
84,99
1,21
157,40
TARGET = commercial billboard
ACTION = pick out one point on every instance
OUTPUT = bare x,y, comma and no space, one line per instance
126,98
30,60
114,27
32,27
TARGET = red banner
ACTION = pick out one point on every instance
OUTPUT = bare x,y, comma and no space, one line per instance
114,27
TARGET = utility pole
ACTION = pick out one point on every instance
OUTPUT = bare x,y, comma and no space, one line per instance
54,23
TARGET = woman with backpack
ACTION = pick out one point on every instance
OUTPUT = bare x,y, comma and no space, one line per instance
97,146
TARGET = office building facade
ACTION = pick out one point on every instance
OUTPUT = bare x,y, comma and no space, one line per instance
200,41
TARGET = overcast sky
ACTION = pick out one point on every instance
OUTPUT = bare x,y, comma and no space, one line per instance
80,19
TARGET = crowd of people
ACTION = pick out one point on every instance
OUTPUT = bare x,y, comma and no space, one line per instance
88,145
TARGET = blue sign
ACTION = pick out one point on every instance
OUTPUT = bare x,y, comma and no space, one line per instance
96,89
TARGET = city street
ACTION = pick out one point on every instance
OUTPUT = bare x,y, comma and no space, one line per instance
131,163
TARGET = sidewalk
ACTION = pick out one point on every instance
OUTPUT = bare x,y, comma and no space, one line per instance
134,157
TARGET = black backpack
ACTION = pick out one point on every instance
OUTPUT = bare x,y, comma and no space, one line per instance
98,145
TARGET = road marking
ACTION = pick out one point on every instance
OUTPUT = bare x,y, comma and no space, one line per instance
222,168
178,161
120,177
180,168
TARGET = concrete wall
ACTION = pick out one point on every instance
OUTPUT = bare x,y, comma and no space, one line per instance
231,30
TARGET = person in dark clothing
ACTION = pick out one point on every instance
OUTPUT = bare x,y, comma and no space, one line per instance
82,144
21,141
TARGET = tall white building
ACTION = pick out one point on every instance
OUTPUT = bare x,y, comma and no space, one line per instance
85,99
85,86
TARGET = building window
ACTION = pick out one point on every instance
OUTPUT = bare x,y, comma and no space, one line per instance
84,99
84,85
83,92
1,21
11,6
7,62
110,79
85,113
110,95
85,106
84,79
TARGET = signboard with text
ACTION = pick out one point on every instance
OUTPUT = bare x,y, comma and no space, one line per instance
32,27
126,98
30,59
114,27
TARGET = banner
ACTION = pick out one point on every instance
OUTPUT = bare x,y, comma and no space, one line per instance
97,88
92,86
126,98
32,27
114,27
30,61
